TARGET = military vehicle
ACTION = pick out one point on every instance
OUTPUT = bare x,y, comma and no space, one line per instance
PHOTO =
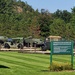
38,42
20,42
14,43
3,39
32,42
47,41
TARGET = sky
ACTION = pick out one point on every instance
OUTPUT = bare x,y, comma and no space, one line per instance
51,5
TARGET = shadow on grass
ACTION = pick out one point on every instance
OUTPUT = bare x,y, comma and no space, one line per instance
2,66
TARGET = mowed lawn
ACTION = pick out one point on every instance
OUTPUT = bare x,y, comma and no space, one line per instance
14,63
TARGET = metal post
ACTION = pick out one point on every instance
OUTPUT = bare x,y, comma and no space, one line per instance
35,47
72,56
51,54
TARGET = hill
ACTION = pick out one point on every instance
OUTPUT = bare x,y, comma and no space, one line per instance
18,19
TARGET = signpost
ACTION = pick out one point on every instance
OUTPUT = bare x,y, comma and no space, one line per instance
62,48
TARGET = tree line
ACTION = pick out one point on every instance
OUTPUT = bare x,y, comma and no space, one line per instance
17,18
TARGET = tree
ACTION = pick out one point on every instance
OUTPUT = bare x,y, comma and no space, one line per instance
44,22
69,32
34,28
57,14
64,15
73,10
72,27
5,6
57,27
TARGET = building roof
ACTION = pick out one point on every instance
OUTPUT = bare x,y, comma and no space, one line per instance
54,37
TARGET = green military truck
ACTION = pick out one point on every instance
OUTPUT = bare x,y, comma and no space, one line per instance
47,41
3,39
32,42
14,43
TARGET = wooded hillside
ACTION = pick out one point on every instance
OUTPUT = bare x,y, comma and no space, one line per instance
17,18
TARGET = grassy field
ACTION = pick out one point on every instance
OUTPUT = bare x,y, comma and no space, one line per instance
14,63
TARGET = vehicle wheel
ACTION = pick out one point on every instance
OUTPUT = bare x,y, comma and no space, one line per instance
43,48
6,45
20,46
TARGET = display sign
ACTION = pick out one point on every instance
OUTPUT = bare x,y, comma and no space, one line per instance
62,47
59,47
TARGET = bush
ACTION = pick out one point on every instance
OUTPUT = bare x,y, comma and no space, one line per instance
60,66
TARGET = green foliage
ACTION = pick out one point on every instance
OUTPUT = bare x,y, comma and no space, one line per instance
14,18
60,66
45,22
64,15
17,18
57,27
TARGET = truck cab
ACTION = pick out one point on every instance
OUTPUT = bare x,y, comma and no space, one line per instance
47,41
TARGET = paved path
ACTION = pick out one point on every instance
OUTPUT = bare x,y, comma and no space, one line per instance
28,50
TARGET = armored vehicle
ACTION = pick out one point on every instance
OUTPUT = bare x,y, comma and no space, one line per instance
32,42
14,43
38,42
3,39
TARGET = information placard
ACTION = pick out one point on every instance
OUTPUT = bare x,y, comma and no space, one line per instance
61,47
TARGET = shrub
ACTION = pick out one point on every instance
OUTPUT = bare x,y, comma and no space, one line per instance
60,66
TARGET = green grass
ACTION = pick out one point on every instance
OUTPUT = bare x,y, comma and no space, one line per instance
14,63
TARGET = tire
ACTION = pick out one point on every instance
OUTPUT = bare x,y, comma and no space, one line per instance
43,48
20,46
6,45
